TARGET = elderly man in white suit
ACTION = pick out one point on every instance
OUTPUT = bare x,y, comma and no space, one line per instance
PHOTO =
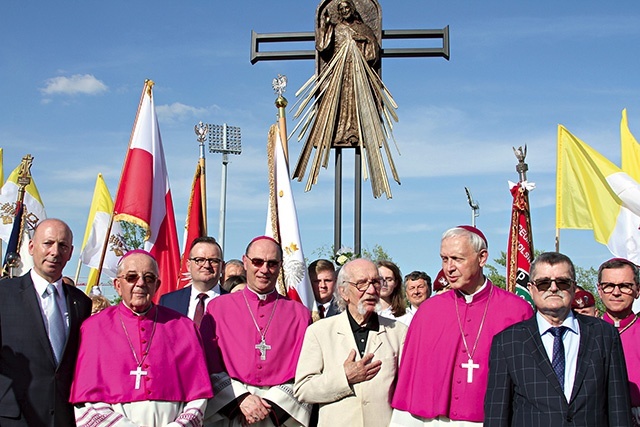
348,363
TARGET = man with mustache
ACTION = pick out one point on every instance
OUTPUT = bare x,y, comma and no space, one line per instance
445,365
558,368
348,363
139,363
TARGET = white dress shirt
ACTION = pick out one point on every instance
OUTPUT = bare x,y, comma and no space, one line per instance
571,343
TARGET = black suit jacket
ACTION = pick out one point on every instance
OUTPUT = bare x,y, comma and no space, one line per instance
523,390
179,300
33,391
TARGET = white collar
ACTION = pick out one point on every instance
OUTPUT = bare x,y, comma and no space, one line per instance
40,283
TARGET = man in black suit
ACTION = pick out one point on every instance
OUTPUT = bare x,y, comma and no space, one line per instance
322,275
557,368
40,320
205,265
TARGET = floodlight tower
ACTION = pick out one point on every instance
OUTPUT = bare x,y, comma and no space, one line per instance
226,140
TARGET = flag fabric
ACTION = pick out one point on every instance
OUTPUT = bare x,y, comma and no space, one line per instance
95,234
593,193
1,167
144,195
520,246
630,150
20,218
282,224
19,243
34,211
194,226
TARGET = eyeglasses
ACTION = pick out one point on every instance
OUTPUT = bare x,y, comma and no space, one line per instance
625,288
563,283
259,262
363,285
148,279
202,261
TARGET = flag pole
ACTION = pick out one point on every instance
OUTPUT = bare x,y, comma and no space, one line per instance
279,86
24,179
203,178
148,85
78,269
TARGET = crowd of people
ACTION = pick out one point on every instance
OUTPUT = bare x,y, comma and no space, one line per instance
229,350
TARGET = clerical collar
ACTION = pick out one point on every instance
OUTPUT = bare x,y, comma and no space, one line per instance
623,324
261,297
144,313
469,298
373,324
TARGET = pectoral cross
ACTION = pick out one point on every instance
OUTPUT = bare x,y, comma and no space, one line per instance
138,373
470,366
263,347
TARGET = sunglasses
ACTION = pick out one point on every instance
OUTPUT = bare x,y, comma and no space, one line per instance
148,279
259,262
562,283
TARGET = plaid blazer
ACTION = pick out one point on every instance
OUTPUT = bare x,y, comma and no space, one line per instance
523,390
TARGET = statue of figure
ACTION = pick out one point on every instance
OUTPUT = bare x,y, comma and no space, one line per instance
331,37
346,103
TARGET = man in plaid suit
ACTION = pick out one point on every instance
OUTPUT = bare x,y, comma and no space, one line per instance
557,368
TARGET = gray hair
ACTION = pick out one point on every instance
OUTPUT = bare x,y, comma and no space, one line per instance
477,243
552,258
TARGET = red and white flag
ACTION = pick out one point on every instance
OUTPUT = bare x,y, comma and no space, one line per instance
194,226
520,246
144,196
282,224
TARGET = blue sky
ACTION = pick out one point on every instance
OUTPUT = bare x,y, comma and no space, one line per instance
71,74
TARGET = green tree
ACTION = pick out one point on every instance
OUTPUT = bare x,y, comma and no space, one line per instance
376,253
133,235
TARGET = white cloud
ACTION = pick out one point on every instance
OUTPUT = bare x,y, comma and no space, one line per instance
85,84
178,112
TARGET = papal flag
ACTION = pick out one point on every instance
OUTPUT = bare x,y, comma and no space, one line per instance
95,234
33,207
593,193
282,224
144,195
629,149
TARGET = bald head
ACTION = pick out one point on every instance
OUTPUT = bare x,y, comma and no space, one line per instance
51,248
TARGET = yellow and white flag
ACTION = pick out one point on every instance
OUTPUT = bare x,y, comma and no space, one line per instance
34,208
282,224
593,193
95,233
630,150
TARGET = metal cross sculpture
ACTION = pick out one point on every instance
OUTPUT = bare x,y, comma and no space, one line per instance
345,105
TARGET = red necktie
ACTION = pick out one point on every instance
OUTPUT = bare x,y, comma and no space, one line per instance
321,311
197,318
